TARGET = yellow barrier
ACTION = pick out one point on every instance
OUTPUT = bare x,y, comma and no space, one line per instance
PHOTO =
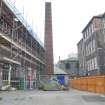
92,84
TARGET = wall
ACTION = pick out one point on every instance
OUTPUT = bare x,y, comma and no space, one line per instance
70,66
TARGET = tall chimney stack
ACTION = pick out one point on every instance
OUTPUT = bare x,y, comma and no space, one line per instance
48,39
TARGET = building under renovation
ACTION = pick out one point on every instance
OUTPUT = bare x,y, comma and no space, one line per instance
22,55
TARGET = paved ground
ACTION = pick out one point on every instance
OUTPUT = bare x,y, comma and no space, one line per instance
72,97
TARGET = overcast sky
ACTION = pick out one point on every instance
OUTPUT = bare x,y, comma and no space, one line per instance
69,18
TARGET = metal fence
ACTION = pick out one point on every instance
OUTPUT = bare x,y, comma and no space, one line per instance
51,82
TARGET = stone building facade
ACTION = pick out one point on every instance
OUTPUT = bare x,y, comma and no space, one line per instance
91,48
70,66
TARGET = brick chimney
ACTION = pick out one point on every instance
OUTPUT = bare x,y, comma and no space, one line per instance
48,39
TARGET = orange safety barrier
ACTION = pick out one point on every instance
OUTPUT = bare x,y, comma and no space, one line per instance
100,89
92,84
91,88
84,87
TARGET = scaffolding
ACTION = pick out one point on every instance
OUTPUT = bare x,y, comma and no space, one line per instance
22,20
22,54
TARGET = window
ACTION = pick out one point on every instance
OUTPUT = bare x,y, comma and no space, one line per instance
89,30
86,50
93,45
87,65
91,64
92,28
1,24
103,23
104,34
77,65
67,66
84,35
89,48
95,61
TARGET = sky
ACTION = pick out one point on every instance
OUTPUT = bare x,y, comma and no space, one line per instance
69,17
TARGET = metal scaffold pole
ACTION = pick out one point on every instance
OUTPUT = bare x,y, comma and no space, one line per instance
0,8
9,75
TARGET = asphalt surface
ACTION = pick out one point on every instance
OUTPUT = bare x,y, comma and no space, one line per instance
71,97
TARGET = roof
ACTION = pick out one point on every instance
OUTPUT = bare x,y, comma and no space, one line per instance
57,70
98,16
81,40
71,59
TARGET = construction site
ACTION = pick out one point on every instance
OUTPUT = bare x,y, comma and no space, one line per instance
28,64
22,54
25,62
